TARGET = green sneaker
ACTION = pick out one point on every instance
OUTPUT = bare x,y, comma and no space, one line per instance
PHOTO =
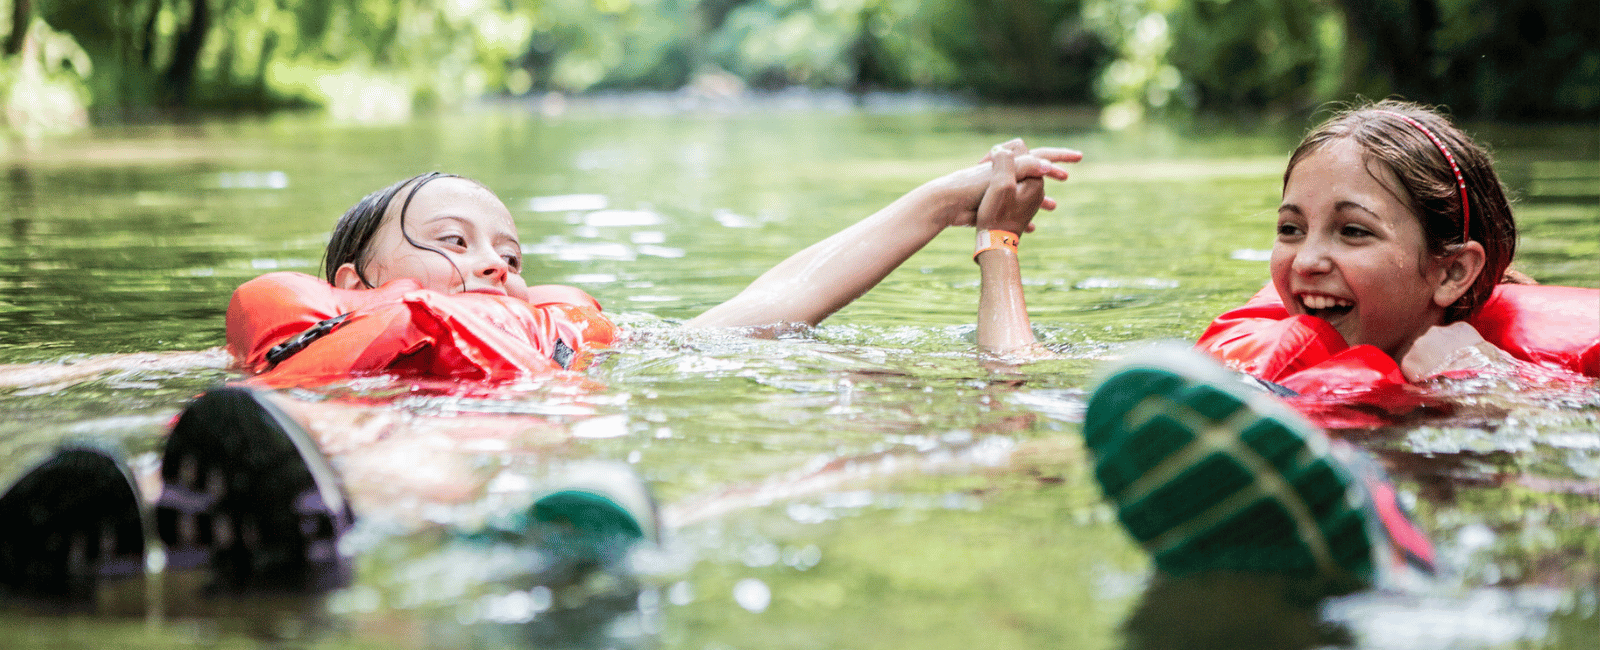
590,515
1209,474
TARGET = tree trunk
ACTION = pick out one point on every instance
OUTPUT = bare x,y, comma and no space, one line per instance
21,12
186,53
147,36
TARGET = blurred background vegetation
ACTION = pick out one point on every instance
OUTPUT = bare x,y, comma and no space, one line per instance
67,61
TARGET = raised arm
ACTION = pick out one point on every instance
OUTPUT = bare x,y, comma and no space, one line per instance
1006,212
819,280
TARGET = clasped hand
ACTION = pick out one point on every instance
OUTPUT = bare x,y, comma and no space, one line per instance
1013,174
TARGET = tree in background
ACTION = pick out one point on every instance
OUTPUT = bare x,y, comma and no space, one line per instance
375,59
1270,54
1488,58
1533,59
21,12
42,81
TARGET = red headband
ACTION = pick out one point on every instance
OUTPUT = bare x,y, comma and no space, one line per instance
1460,181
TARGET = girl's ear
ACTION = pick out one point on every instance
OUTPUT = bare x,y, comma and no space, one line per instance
1461,270
346,277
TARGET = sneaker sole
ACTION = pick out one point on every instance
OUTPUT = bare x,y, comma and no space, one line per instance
73,520
1207,476
247,494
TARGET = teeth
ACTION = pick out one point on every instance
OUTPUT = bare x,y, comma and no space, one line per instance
1316,301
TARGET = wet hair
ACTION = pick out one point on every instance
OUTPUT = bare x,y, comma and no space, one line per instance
1429,186
352,237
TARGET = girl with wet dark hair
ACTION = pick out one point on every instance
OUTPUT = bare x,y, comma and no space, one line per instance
1394,240
354,231
423,278
1392,264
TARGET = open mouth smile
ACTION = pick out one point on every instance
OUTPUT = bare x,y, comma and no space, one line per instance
1324,306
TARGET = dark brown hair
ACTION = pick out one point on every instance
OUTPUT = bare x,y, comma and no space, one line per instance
1429,185
352,236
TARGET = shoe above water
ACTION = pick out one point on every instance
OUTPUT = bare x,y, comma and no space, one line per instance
1209,474
71,522
247,495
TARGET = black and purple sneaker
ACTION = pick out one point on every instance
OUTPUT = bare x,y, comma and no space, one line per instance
71,523
247,495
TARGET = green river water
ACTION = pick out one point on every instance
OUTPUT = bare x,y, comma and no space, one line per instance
868,484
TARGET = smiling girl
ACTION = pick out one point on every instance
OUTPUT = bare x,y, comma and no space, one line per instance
1394,239
1390,266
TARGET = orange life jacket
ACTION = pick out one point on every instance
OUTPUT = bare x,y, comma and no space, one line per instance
1553,327
401,328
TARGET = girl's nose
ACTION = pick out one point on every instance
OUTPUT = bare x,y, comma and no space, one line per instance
494,267
1313,257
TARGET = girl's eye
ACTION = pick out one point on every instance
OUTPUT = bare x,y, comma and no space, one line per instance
1288,230
513,261
1355,232
454,240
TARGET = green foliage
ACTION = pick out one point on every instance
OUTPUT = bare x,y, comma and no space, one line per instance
1023,50
42,88
1141,77
1522,58
1217,54
776,43
579,45
1516,58
1265,53
372,59
1037,50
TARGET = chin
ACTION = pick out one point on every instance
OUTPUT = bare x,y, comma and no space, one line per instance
1350,339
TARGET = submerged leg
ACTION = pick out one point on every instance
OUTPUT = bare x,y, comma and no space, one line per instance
72,521
246,494
1209,474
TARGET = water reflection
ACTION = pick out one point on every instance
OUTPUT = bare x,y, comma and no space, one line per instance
1239,611
1222,611
602,610
912,495
466,594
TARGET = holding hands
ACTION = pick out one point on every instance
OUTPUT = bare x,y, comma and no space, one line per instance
1014,194
1016,188
1007,188
1009,164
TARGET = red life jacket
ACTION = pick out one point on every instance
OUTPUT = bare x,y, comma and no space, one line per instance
403,329
1553,327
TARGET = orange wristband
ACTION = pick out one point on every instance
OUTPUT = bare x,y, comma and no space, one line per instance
992,239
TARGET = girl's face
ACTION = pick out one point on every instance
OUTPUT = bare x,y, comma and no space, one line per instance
1351,252
467,224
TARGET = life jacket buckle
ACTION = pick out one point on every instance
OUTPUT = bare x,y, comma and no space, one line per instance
299,341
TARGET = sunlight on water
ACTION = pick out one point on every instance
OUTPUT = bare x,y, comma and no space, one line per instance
868,483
